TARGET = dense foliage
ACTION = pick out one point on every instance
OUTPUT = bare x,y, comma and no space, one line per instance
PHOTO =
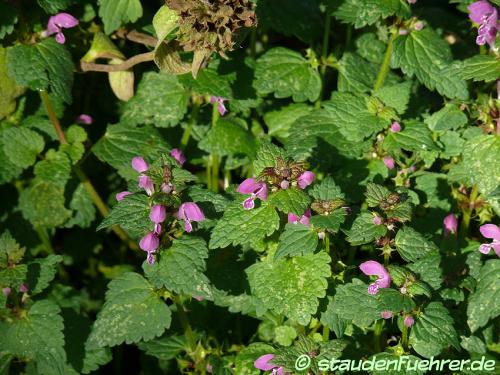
239,186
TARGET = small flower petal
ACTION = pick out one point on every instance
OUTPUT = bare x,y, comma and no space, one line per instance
248,186
147,184
389,162
386,314
408,321
178,155
84,119
122,194
158,213
305,179
149,242
139,164
490,231
450,224
262,363
395,127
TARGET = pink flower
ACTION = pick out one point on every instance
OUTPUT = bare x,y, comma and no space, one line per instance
158,215
395,127
122,194
304,219
486,15
377,220
305,179
198,298
6,291
490,231
209,368
408,321
403,31
373,268
59,22
411,1
139,164
220,104
189,211
255,188
418,25
386,314
264,363
389,162
149,243
147,184
450,224
24,288
84,119
178,155
285,184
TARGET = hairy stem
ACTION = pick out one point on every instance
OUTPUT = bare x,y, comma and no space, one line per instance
384,69
52,116
126,65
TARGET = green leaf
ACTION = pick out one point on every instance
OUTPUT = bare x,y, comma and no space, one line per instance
10,251
396,96
181,268
26,67
13,276
245,358
290,200
115,13
452,143
326,190
8,20
160,100
424,54
266,157
297,239
412,245
42,203
433,331
483,303
363,230
38,336
132,214
52,6
481,68
376,194
286,73
331,222
22,146
83,209
132,312
55,168
291,286
355,73
239,226
447,118
122,142
165,348
280,121
230,137
428,269
41,272
9,90
415,137
366,12
199,194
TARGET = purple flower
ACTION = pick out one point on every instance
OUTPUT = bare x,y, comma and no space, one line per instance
386,314
389,162
377,220
149,243
158,214
395,127
220,104
255,188
305,179
147,184
408,321
59,22
419,25
486,15
411,1
178,155
304,219
263,363
23,288
84,119
373,268
490,231
403,31
285,184
6,291
139,164
122,194
189,211
450,224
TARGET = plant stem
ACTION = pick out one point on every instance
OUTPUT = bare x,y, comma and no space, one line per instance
42,234
94,196
188,332
214,159
326,333
384,69
379,325
324,54
404,338
187,132
467,212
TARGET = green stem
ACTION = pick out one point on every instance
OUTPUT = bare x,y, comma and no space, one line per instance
326,333
467,212
214,159
44,237
94,196
379,325
386,259
188,332
384,69
187,132
404,338
324,54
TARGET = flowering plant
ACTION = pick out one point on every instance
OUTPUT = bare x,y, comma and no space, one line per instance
233,186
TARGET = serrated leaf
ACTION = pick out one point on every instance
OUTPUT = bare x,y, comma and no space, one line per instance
433,331
245,358
331,222
363,230
132,214
428,269
115,13
415,137
52,6
9,90
122,142
483,303
366,12
160,100
22,146
230,137
356,74
286,73
37,336
447,118
412,245
424,54
326,190
290,200
280,121
164,348
8,19
10,251
26,67
181,268
239,226
291,286
54,169
132,312
83,209
13,276
481,68
376,194
297,239
396,96
41,272
267,155
200,195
